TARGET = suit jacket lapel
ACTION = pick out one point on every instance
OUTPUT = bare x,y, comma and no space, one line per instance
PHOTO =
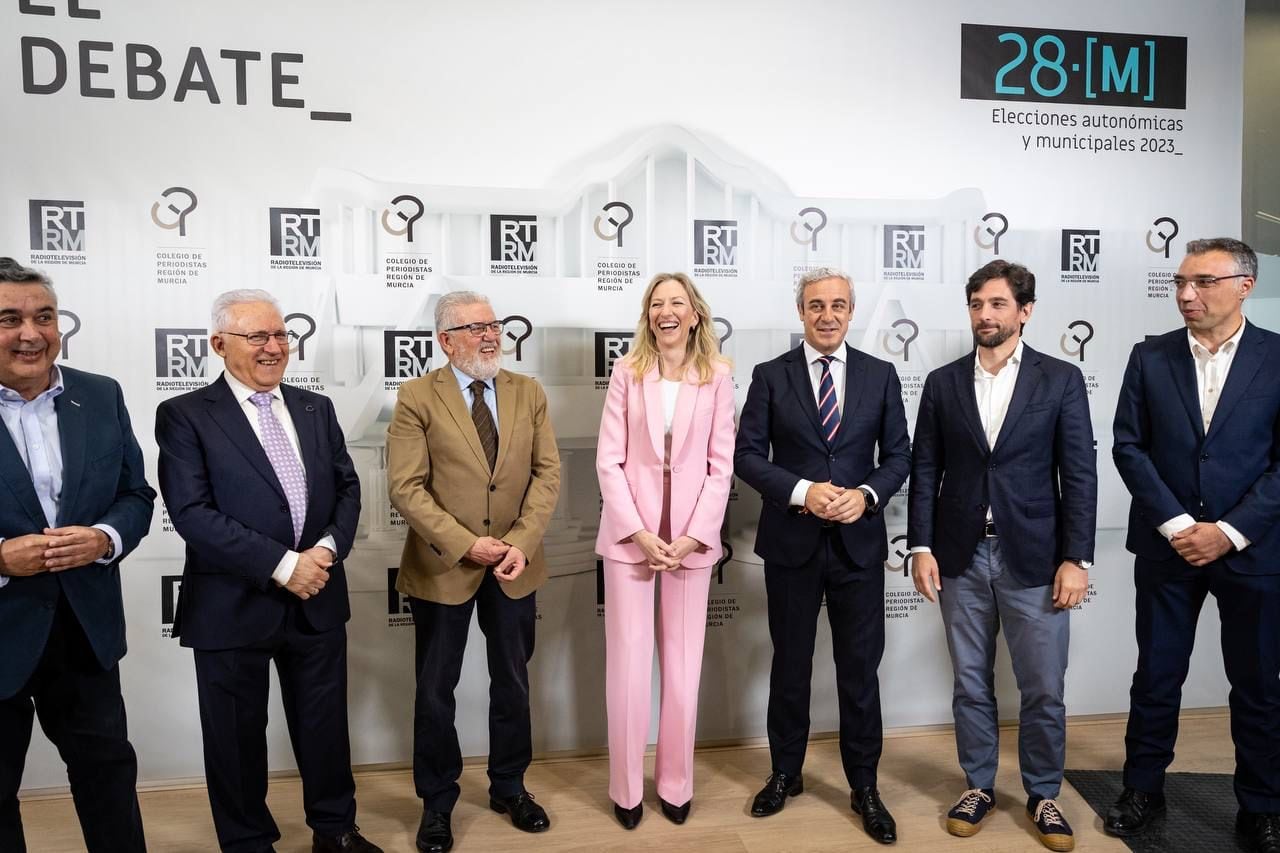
654,416
451,395
1183,366
967,398
18,479
1244,366
855,374
71,435
231,419
1029,376
506,395
686,402
802,386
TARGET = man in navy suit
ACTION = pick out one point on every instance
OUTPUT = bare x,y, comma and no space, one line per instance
76,502
1003,504
807,443
1197,442
257,480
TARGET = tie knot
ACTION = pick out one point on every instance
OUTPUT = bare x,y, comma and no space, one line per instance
826,359
477,388
261,399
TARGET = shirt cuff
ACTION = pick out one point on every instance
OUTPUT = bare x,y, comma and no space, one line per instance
1237,538
284,568
799,492
327,541
117,546
921,549
1176,525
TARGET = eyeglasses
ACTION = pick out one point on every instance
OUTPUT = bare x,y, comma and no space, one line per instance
1201,282
259,339
477,330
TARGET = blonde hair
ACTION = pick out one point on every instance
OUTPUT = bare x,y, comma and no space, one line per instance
702,350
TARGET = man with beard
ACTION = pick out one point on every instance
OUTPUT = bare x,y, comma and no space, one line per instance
472,465
1002,504
1197,443
807,441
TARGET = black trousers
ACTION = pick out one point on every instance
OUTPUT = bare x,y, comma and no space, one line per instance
855,609
82,713
441,638
1170,594
233,686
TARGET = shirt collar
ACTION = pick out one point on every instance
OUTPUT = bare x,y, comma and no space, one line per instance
464,381
1231,344
55,388
980,372
243,392
811,355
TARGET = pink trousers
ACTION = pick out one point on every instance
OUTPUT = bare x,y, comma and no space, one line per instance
629,638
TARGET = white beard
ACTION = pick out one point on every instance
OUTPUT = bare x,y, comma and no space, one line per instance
479,367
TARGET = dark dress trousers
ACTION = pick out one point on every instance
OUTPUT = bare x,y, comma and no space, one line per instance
62,633
228,505
780,442
1231,473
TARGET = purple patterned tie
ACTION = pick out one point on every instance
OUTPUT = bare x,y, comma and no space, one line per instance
284,461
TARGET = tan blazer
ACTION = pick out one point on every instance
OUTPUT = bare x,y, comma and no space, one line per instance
440,482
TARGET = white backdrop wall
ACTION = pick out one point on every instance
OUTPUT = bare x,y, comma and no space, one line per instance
360,159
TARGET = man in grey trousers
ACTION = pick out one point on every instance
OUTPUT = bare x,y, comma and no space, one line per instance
1003,506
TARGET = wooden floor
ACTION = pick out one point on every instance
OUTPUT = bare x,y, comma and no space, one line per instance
919,780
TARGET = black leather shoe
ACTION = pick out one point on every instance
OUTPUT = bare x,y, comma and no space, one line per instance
876,819
347,842
1133,812
434,834
525,813
1262,831
629,818
773,796
675,814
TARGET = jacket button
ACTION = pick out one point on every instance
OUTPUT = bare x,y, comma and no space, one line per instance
284,507
675,470
982,507
991,467
48,605
486,522
1204,457
492,487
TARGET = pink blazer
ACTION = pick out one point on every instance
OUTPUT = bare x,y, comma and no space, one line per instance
629,463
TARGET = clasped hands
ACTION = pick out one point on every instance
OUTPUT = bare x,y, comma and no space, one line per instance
508,561
664,556
311,572
1201,543
835,503
55,549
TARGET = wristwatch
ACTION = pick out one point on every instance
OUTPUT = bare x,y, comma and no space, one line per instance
873,506
111,550
1084,564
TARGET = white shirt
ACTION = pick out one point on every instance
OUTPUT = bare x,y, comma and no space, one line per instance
814,359
1211,376
670,394
284,569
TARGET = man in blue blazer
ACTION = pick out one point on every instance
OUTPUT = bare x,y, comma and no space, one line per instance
76,501
1197,442
807,443
1003,505
257,480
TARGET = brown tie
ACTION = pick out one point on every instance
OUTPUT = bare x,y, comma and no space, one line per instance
484,423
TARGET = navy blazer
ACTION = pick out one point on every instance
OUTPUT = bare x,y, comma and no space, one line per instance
224,499
1171,466
103,482
1040,480
781,416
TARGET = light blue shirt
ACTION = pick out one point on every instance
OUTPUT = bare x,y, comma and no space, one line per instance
490,394
33,426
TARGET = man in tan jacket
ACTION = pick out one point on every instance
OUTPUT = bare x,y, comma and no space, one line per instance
473,467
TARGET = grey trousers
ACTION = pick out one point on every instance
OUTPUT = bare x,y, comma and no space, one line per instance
974,606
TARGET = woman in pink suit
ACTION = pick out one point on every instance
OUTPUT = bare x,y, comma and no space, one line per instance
664,460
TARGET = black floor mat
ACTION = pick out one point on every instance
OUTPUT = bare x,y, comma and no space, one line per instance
1201,816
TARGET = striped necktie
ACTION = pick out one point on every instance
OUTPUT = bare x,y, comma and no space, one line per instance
484,423
828,410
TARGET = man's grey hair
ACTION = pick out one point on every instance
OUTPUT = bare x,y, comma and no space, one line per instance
220,314
1246,259
12,272
818,275
447,307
